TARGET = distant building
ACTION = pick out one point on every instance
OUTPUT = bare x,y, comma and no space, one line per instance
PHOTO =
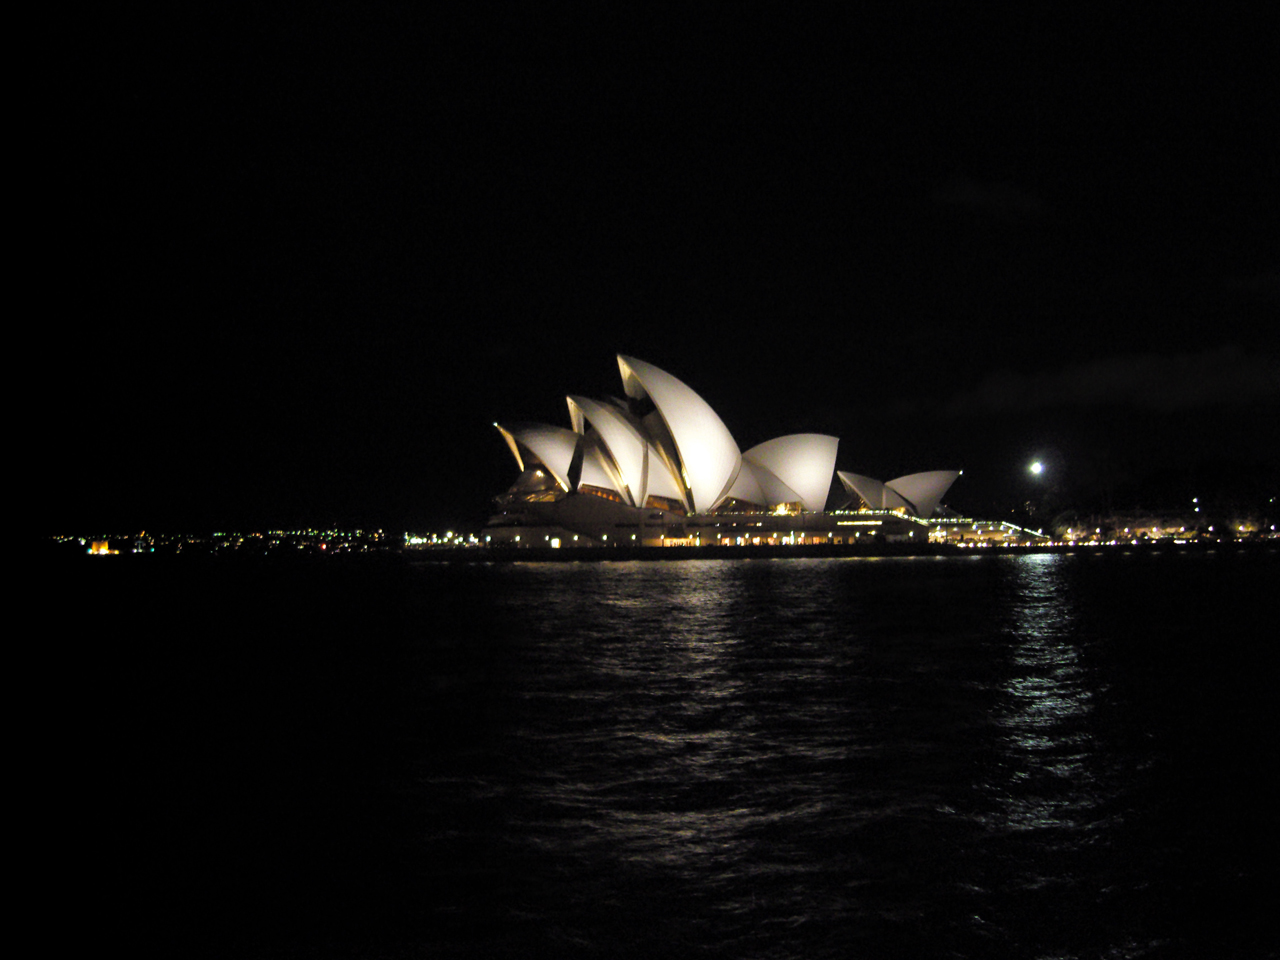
660,467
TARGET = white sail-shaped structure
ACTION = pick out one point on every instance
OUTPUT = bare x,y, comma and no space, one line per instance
623,443
664,447
916,493
698,447
756,484
552,447
924,490
872,492
803,462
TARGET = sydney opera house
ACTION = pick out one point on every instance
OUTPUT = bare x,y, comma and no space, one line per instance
659,467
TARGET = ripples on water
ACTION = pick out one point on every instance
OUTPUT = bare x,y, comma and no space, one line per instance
1010,757
805,758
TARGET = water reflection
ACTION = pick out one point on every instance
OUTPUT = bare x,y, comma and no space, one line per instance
664,775
902,751
1048,743
698,738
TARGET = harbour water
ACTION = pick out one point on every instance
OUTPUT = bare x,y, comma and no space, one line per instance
1040,756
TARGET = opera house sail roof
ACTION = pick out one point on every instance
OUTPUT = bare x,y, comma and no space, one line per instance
918,493
664,447
700,452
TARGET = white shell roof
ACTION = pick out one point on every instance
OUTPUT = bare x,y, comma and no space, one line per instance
623,441
875,493
924,490
660,481
757,484
746,486
709,457
551,446
917,492
598,471
681,450
802,461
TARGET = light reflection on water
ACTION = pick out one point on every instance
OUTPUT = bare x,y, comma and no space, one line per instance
790,758
1049,748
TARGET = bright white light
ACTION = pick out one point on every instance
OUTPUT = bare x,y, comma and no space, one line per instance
1037,468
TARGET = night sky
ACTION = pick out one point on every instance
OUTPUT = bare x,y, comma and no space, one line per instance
308,262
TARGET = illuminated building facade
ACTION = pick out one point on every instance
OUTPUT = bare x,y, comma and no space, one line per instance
918,494
661,467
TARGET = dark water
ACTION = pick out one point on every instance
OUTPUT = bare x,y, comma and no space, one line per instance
1037,756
